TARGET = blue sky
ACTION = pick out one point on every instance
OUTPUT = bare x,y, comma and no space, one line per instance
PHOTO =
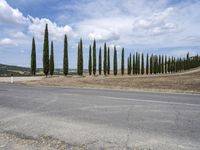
169,27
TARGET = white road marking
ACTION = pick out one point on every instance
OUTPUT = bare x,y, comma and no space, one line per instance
150,101
70,94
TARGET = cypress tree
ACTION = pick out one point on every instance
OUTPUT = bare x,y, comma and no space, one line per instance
169,65
33,58
108,61
155,60
136,62
100,61
152,64
162,65
122,62
134,65
90,61
115,61
188,61
178,65
165,64
147,64
65,56
142,67
105,60
181,64
175,64
51,63
159,64
94,57
78,60
184,64
81,57
46,52
139,68
130,63
128,66
172,64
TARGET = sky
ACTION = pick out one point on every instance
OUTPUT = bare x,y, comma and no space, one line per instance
168,27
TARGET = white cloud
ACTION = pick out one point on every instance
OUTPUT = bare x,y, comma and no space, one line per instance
34,26
104,35
19,35
143,24
104,29
6,41
37,26
10,15
156,24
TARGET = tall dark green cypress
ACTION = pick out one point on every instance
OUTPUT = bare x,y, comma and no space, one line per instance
108,62
142,65
90,61
65,56
172,64
166,64
130,63
147,64
81,57
33,58
175,64
122,62
115,61
78,60
51,63
188,61
159,65
46,52
152,64
100,61
94,57
128,66
105,60
162,64
139,67
169,65
134,65
136,62
155,60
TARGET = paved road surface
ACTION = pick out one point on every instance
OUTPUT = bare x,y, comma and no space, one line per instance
95,119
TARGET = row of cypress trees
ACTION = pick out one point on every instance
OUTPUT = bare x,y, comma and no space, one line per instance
48,63
92,60
136,63
159,64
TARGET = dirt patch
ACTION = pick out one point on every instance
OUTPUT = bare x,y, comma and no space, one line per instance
180,82
18,141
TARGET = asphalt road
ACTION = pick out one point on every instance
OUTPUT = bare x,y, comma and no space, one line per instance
95,119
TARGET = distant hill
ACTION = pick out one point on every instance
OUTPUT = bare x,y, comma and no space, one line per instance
7,70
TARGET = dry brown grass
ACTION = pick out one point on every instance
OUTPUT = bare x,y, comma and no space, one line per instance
180,82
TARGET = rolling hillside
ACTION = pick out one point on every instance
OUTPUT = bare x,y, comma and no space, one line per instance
7,70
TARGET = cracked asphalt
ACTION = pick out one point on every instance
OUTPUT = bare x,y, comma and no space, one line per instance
98,119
